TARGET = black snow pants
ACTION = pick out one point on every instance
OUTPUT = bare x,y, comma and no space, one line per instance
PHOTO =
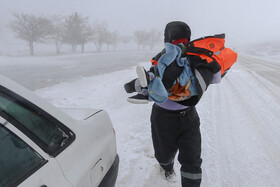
178,130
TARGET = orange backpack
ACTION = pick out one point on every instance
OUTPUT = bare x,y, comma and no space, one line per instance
213,48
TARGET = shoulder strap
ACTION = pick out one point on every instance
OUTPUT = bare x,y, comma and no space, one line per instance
206,46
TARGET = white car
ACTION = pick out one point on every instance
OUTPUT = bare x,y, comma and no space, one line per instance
41,145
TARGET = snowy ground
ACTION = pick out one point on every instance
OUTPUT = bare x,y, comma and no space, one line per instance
239,125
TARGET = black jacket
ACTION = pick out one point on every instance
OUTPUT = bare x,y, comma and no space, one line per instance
203,74
202,71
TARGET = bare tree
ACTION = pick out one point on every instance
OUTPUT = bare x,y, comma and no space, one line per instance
141,38
100,33
111,38
76,30
115,39
150,38
154,37
58,32
30,28
125,40
108,39
87,35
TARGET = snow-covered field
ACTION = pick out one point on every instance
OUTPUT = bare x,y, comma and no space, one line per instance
239,123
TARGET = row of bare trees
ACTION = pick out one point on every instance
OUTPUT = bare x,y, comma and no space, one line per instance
147,38
74,30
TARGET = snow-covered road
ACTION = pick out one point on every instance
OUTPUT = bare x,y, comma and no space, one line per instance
41,71
239,124
241,132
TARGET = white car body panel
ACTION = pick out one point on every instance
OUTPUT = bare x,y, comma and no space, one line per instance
80,113
87,159
95,141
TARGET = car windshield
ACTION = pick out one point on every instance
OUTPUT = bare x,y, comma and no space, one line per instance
32,121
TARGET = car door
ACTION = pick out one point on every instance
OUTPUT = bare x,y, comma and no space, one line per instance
22,163
43,138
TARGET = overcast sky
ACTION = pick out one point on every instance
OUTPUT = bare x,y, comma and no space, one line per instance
243,21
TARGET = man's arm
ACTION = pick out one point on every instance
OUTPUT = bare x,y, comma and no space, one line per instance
216,78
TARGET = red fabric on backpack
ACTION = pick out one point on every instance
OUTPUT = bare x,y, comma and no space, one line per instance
225,57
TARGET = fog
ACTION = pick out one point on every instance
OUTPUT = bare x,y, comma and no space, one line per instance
240,148
244,22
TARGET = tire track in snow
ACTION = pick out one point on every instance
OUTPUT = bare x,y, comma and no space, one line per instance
244,147
221,161
210,167
263,125
266,68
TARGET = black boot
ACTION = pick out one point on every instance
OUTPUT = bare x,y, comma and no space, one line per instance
170,176
138,99
130,86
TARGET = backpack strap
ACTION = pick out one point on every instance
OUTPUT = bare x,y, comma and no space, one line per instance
190,49
207,45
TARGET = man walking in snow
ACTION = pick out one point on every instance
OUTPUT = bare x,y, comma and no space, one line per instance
175,124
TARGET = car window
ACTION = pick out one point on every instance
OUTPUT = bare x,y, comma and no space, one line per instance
17,159
35,124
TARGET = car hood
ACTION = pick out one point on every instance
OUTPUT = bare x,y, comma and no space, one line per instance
80,113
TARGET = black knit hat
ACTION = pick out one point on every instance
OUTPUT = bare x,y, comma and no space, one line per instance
176,30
